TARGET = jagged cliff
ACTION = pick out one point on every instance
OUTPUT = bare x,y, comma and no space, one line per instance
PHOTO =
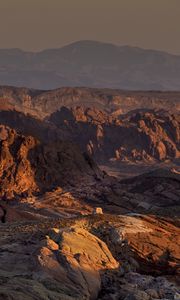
27,165
100,127
136,136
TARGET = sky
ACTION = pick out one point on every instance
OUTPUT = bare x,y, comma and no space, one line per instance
35,25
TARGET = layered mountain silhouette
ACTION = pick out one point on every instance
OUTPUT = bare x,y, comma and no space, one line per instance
91,64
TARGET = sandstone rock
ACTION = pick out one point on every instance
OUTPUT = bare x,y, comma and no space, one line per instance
98,211
151,243
39,103
84,255
72,263
27,166
145,136
64,265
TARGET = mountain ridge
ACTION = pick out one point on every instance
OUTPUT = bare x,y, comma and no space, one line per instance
92,64
39,102
90,42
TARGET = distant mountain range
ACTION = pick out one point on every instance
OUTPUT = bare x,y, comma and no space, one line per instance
91,64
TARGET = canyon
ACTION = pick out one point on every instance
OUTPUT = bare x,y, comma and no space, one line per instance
89,194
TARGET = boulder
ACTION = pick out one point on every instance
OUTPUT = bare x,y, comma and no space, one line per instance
79,260
98,211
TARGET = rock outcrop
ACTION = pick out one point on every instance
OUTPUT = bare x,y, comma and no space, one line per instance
39,103
83,256
95,257
137,136
30,166
109,125
156,192
64,265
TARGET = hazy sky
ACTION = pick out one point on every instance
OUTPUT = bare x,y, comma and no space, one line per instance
40,24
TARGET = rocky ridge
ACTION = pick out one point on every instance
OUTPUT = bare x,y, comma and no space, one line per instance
39,102
92,64
135,136
29,166
72,261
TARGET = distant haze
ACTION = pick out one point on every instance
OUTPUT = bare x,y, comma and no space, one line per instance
91,64
38,24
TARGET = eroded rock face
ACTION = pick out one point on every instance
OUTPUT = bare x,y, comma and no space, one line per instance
16,174
64,265
139,136
22,277
39,103
29,166
96,121
95,257
148,248
83,256
155,243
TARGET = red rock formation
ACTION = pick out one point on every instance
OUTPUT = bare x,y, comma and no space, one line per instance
27,166
135,136
39,103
